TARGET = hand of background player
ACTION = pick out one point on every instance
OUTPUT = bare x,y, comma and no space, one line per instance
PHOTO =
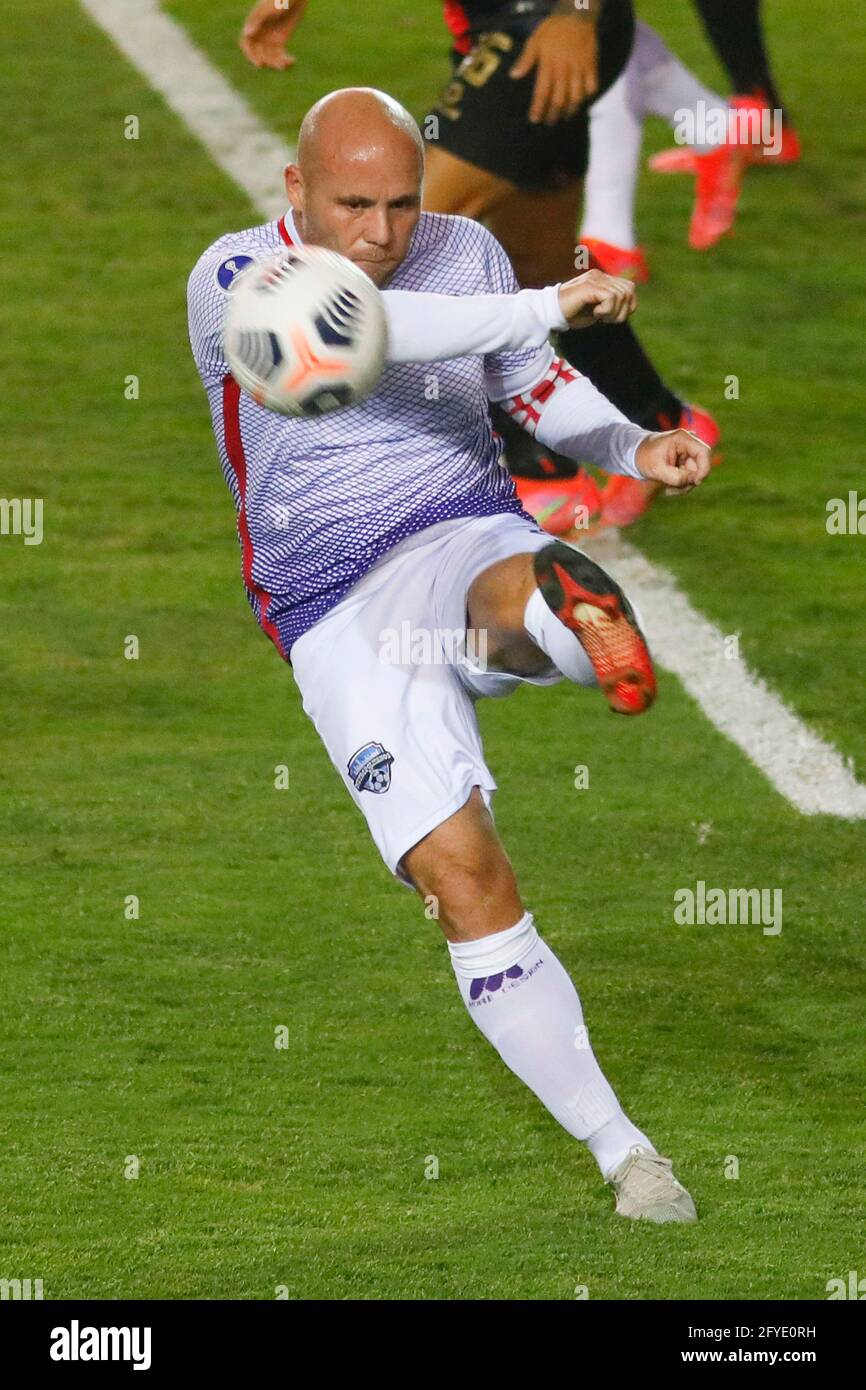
677,459
595,297
564,49
267,31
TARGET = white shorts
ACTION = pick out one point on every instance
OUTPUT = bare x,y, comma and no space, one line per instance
385,682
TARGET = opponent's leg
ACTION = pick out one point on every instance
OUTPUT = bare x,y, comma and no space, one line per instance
660,85
524,1002
538,232
735,31
608,226
486,160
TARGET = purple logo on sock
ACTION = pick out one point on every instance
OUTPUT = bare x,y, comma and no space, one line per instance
492,983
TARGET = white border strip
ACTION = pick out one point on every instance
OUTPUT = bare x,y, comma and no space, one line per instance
808,772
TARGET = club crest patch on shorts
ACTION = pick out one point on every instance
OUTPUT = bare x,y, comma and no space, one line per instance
370,768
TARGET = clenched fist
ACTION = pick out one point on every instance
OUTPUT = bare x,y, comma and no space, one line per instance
676,459
594,297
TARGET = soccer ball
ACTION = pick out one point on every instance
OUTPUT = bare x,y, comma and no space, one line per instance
305,332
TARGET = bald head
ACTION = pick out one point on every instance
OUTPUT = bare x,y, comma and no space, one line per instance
356,185
355,123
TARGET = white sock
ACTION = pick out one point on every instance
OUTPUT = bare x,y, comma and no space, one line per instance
615,136
525,1004
554,638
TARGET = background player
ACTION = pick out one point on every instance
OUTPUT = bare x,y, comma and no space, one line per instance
434,544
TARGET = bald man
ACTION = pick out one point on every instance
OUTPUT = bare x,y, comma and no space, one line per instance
386,555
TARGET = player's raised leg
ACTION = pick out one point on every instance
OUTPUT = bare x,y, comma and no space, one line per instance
559,602
524,1002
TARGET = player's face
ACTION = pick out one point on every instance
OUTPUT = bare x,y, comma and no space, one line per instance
366,207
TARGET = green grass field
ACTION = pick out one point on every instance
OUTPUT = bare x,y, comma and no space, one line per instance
154,1038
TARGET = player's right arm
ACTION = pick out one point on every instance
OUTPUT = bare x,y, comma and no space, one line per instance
268,28
432,327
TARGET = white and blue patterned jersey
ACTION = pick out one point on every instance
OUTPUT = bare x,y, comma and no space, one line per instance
320,500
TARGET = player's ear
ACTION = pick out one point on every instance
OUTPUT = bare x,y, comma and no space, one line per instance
294,186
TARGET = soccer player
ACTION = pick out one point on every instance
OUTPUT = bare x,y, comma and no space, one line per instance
508,143
395,516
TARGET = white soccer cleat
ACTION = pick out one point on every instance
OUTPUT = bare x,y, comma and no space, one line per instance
646,1189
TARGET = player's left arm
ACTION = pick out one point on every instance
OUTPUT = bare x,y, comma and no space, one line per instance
565,412
563,50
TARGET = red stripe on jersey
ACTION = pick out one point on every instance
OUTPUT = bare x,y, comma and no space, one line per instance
283,233
237,459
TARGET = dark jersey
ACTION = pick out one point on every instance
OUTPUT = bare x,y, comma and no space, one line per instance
468,17
482,116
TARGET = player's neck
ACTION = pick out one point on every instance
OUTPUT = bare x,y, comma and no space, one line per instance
296,220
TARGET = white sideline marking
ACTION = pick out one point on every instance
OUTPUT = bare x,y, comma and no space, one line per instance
233,135
808,772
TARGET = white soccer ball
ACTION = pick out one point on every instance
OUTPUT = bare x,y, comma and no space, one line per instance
305,332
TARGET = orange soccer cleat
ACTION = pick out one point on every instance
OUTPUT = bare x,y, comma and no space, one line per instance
719,173
562,505
682,159
763,151
718,180
595,609
630,263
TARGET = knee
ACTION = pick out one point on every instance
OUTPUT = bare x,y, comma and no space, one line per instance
472,898
464,875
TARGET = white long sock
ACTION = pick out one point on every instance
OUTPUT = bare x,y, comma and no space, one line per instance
525,1004
615,136
654,83
554,638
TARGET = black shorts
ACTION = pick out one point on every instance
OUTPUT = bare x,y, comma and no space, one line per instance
483,114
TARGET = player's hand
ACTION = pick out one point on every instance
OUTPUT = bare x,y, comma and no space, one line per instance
268,28
564,50
677,459
595,297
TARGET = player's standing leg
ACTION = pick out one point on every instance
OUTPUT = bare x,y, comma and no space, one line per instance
523,1000
533,606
